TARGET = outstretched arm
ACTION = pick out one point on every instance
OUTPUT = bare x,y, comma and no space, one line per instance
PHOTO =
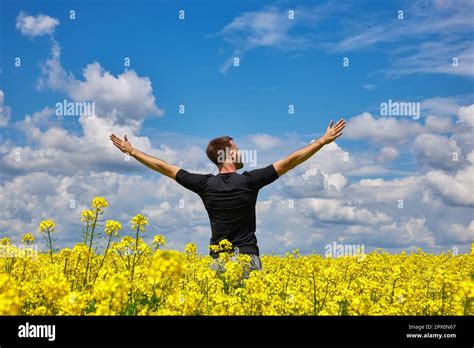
296,158
151,162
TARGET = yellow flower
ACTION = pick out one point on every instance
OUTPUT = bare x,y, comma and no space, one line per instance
159,240
190,248
47,225
112,227
139,222
87,216
131,279
5,241
99,203
65,253
225,245
27,238
214,248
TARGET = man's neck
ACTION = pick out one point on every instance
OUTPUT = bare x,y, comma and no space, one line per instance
227,168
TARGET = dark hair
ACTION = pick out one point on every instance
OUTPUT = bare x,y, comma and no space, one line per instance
216,146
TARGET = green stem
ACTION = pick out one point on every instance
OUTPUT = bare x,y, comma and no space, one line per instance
135,254
90,245
50,243
103,259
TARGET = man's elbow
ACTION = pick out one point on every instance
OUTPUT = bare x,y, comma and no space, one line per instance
282,167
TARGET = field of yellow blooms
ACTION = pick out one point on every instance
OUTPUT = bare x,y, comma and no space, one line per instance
125,276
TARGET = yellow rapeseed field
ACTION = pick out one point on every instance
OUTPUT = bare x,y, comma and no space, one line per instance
129,277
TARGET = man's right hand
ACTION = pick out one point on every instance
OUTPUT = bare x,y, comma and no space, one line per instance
123,145
151,162
333,131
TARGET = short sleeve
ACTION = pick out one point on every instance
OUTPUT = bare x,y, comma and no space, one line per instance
259,178
191,181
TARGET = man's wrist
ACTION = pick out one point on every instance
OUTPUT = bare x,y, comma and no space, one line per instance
133,152
322,141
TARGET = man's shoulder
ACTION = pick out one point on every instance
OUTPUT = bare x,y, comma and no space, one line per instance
182,170
270,168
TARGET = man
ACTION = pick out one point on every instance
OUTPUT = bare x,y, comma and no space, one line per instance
230,197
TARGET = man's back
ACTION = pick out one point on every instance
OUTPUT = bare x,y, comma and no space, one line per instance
230,200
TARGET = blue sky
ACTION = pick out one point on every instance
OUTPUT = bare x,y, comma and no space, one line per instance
282,61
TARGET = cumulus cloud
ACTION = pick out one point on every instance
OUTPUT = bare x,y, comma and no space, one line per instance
466,115
332,210
5,111
387,154
442,106
39,25
457,189
126,98
461,233
381,130
38,195
438,124
305,210
313,182
264,141
411,232
53,76
437,151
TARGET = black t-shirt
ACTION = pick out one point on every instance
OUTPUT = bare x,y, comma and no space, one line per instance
230,200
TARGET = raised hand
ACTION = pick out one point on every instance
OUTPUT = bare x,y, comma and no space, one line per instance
123,145
334,131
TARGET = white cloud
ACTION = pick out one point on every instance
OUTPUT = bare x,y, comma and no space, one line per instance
381,130
466,115
5,111
327,207
35,196
267,28
389,192
332,210
312,182
438,124
437,151
462,234
31,124
53,76
437,57
442,106
39,25
271,27
126,97
414,231
457,189
387,154
264,141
